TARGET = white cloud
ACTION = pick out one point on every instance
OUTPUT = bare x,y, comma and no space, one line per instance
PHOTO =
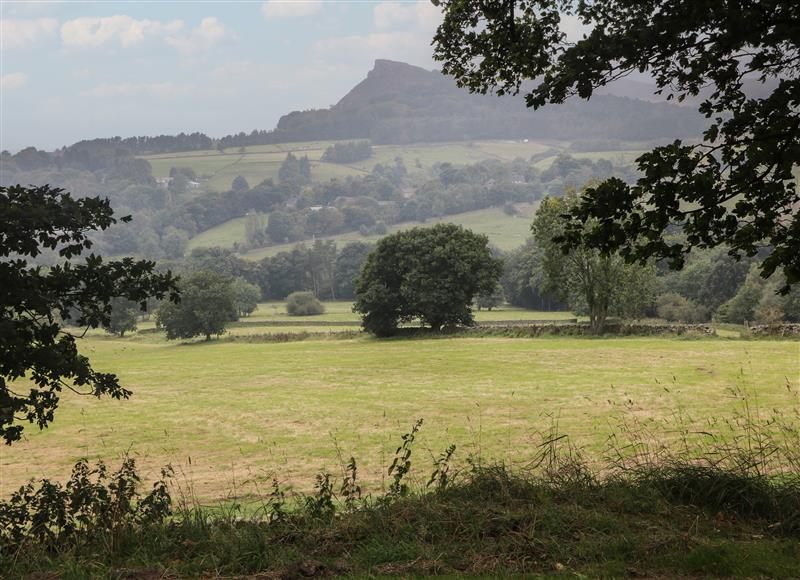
402,31
21,33
393,14
210,32
89,32
13,81
165,91
280,9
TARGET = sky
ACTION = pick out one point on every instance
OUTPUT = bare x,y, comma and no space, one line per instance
76,70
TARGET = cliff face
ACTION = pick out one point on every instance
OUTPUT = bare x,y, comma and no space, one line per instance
401,103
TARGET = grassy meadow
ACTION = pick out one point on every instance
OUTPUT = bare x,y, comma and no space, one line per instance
259,162
230,415
504,231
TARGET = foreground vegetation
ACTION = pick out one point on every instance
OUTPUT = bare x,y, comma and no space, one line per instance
728,506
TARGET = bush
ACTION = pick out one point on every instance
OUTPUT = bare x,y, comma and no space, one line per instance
303,304
673,307
93,506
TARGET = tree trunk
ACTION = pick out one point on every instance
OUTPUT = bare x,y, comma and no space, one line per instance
597,320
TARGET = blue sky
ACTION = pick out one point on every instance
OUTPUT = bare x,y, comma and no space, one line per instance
75,70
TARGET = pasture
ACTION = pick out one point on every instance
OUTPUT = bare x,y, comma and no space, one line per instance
231,415
259,162
507,232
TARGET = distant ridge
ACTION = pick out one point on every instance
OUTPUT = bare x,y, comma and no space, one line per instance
401,103
398,103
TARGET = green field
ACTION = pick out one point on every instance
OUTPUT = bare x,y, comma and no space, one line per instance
230,415
259,162
224,235
256,163
504,231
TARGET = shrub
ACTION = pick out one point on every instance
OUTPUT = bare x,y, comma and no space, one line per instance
93,505
303,304
675,308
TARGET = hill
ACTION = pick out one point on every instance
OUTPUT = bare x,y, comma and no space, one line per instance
401,103
506,232
258,162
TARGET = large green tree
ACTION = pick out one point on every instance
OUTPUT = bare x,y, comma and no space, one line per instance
736,186
348,266
592,283
207,305
432,274
123,316
38,357
245,296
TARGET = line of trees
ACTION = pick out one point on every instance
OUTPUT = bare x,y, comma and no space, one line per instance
348,152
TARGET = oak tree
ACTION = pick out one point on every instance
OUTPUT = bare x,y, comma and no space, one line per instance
432,274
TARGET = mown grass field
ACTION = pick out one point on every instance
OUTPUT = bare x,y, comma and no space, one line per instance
230,415
504,231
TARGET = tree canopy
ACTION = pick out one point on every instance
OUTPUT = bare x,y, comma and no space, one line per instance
735,187
38,358
123,316
207,304
431,273
590,282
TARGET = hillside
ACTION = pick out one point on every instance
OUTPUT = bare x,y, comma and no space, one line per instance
258,162
400,103
506,232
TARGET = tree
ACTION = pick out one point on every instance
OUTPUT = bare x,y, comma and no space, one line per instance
710,277
430,273
295,172
283,226
675,308
489,301
348,152
179,184
522,284
174,242
123,316
736,187
239,184
187,172
254,228
34,348
303,304
245,296
742,307
206,306
601,286
348,267
321,263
